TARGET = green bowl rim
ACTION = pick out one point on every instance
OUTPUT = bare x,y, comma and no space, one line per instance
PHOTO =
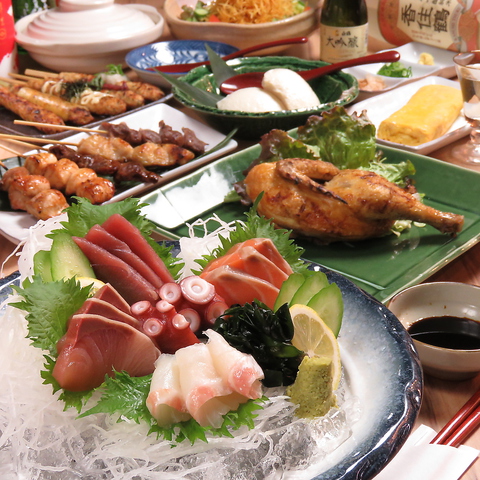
348,96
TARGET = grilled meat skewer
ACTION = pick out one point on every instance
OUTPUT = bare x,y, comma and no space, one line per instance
29,111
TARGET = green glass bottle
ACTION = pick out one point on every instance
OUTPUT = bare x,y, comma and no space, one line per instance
343,30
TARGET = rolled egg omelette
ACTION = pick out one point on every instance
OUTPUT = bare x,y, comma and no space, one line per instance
428,115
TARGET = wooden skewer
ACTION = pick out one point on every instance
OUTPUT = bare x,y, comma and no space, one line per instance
59,127
11,81
39,73
23,144
18,76
35,139
4,147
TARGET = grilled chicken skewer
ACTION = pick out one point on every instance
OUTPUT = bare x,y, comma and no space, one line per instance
98,103
67,111
32,193
120,171
29,111
66,175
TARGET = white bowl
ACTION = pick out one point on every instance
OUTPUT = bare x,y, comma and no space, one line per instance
87,35
440,299
242,35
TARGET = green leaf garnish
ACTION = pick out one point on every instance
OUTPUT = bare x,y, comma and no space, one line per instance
221,70
395,69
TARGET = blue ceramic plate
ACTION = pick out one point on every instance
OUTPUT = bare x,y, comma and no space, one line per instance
171,53
382,372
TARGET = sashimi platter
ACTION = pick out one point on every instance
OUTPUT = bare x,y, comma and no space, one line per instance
222,356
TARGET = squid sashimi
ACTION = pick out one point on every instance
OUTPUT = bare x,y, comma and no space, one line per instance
201,384
239,370
96,306
95,346
121,228
165,400
110,269
193,381
99,236
109,294
235,286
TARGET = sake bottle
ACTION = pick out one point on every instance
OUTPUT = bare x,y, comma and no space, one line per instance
343,30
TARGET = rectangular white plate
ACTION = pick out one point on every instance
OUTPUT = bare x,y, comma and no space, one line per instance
409,57
14,225
380,107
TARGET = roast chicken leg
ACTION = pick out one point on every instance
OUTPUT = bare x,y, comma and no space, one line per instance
316,199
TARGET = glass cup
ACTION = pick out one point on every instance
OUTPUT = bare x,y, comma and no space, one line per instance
467,66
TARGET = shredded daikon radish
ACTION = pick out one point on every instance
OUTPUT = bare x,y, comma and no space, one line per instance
193,247
36,240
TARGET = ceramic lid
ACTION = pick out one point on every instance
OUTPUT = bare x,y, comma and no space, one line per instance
77,21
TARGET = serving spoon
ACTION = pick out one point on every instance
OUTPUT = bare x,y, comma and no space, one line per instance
254,79
186,67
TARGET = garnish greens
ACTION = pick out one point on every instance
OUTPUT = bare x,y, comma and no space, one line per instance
266,335
395,69
49,305
347,141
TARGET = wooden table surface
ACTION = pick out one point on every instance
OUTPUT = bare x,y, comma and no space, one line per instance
441,398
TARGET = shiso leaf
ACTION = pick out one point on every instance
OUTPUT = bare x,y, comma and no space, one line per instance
49,306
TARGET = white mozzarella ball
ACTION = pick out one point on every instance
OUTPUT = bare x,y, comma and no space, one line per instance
290,88
251,99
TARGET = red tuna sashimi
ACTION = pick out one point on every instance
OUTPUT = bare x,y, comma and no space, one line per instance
239,287
110,269
99,236
264,246
121,228
110,295
95,346
95,306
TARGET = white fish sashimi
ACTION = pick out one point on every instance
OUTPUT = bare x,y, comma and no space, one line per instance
165,400
201,385
239,370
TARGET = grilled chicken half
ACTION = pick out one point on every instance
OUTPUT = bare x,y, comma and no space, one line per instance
316,199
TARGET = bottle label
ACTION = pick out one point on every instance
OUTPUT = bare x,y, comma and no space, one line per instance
343,43
451,25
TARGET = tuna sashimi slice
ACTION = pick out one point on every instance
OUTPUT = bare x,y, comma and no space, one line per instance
240,371
121,228
235,286
165,400
99,236
110,295
95,306
95,346
201,385
110,269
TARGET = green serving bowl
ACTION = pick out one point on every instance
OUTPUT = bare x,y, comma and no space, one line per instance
335,89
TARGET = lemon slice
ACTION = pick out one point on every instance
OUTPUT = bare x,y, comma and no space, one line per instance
315,338
95,282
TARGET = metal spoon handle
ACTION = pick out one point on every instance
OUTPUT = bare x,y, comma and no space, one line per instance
186,67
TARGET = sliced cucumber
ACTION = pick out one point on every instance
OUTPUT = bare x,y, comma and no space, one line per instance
288,289
42,265
328,303
310,287
67,258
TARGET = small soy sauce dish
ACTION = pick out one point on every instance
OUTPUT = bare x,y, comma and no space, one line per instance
443,319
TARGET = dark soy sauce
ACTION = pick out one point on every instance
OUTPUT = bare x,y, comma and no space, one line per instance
447,332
